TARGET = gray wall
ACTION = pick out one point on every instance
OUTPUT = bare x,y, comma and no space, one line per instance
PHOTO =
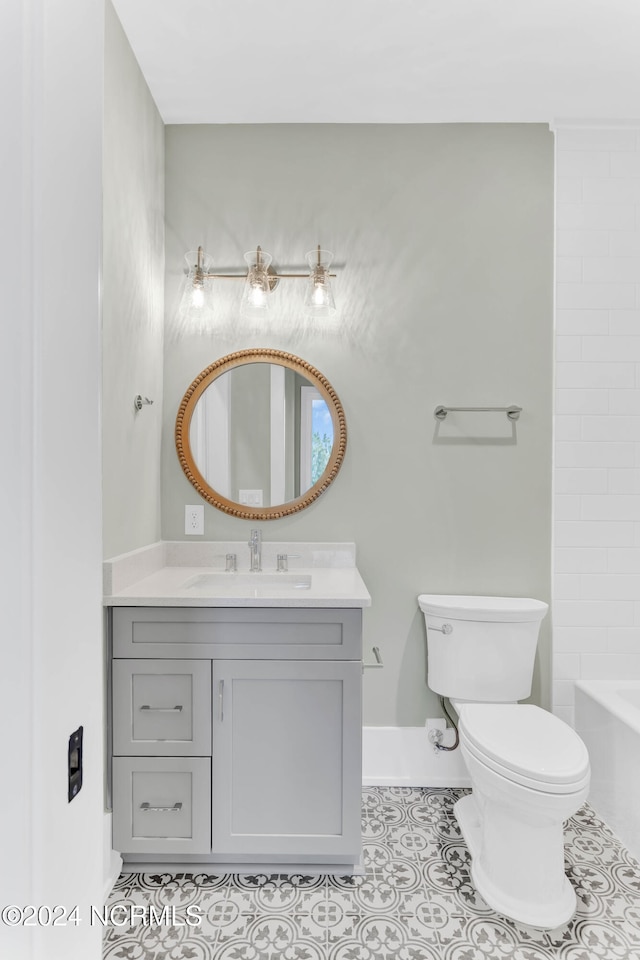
133,299
443,235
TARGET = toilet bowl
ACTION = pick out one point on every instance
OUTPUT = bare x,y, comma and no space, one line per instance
529,770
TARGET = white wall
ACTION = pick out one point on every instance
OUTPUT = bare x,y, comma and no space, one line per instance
17,383
596,609
51,98
133,299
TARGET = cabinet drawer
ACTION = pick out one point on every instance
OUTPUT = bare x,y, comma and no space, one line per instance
162,707
238,633
162,805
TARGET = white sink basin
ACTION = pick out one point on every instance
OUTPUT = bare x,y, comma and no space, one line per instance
254,584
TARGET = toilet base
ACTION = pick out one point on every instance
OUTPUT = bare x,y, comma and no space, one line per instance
468,818
546,915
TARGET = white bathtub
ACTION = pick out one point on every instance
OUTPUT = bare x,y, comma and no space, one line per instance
608,720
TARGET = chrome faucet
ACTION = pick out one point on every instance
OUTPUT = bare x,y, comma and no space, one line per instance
255,551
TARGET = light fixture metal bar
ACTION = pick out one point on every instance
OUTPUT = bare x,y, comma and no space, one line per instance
303,276
243,276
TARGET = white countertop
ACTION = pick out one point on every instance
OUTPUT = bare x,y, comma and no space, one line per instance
145,578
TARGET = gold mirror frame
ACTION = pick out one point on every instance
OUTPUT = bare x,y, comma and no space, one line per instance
195,391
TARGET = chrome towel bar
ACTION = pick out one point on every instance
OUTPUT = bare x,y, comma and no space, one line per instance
512,412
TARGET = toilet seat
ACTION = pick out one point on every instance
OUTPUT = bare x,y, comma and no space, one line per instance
526,745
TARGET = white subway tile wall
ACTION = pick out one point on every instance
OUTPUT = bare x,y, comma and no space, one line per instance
596,609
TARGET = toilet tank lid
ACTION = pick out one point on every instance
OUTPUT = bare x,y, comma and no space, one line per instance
496,609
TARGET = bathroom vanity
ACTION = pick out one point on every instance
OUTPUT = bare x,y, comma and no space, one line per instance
236,711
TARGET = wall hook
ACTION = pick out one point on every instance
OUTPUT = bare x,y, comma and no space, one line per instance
139,401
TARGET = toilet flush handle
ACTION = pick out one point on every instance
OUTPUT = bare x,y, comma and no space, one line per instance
446,628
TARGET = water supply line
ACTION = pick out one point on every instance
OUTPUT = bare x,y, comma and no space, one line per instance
435,736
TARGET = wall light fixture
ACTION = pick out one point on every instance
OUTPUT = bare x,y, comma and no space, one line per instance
260,280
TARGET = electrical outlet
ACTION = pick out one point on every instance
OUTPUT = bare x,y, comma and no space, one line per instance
194,520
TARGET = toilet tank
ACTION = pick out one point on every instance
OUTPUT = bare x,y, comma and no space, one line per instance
481,648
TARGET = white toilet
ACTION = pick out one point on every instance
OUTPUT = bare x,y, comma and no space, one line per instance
529,771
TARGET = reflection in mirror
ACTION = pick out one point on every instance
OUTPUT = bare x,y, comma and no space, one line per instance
260,434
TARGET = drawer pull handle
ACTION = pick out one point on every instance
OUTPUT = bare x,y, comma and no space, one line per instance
176,808
221,699
176,709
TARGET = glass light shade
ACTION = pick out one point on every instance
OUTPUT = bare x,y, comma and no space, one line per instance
318,296
255,296
197,294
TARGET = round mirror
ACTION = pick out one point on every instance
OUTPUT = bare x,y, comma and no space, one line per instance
260,434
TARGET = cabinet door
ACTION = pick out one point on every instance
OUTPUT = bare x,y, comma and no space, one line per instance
162,707
287,761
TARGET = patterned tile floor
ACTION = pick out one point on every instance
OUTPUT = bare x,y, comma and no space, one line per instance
416,901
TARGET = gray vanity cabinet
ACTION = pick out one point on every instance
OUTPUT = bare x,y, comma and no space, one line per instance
237,734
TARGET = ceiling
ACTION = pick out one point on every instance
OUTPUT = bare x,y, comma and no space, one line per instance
387,61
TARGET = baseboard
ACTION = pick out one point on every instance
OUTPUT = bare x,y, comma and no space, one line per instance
403,757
